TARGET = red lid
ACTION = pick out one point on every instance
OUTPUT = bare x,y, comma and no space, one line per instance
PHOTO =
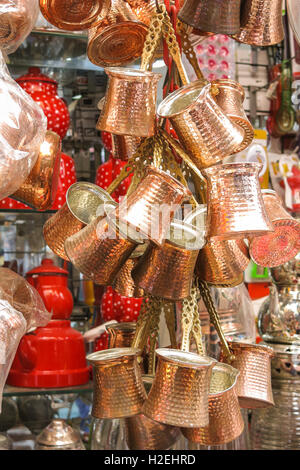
47,267
34,74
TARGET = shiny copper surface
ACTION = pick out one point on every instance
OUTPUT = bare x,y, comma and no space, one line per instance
235,207
203,129
222,262
124,283
253,361
130,102
150,208
144,9
74,15
216,16
282,245
230,98
124,146
83,201
118,387
99,251
225,418
261,23
39,189
121,334
179,394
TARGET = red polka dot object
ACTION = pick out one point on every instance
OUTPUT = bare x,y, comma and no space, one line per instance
106,174
67,177
101,342
106,140
117,307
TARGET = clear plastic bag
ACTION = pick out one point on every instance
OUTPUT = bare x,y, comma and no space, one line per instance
22,130
17,19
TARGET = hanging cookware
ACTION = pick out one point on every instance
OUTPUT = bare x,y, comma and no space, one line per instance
124,146
121,334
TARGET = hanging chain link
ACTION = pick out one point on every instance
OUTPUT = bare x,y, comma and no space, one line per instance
156,308
196,329
152,40
188,49
169,311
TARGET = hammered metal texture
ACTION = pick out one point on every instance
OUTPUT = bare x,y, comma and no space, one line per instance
205,132
179,394
121,334
118,387
83,200
142,208
222,262
283,244
222,17
99,251
230,98
254,388
74,15
225,418
235,207
261,23
124,283
144,9
124,146
130,102
39,189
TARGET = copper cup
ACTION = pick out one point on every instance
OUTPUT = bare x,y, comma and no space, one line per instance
179,394
253,361
222,17
167,271
118,387
203,129
225,418
121,335
151,207
74,15
99,250
118,39
130,102
124,283
83,203
39,189
283,244
143,433
230,98
124,146
235,207
261,23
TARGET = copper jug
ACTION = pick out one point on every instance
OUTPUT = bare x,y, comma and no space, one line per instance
204,130
235,207
261,23
39,189
121,334
124,146
124,283
283,244
222,17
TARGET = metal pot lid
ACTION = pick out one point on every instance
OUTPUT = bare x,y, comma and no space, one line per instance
58,433
47,268
34,74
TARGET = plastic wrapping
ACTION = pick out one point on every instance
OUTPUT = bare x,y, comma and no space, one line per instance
17,19
22,130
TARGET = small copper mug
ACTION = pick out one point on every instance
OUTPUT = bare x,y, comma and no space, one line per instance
179,394
204,130
222,17
121,334
225,418
130,102
230,98
83,204
167,271
118,39
39,189
151,207
118,387
124,146
74,15
235,207
124,283
282,245
261,23
253,361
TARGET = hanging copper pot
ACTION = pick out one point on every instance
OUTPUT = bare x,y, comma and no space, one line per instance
124,283
121,334
124,146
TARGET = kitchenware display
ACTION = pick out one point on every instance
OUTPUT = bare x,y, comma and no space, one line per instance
58,435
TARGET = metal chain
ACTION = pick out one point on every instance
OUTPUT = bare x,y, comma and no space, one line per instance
152,40
169,311
196,329
155,306
188,49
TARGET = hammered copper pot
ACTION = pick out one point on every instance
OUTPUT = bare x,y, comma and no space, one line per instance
124,146
235,207
124,283
283,244
253,361
179,394
39,189
151,207
130,102
230,98
261,23
225,418
204,130
74,15
118,387
118,39
121,335
167,271
83,203
217,16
